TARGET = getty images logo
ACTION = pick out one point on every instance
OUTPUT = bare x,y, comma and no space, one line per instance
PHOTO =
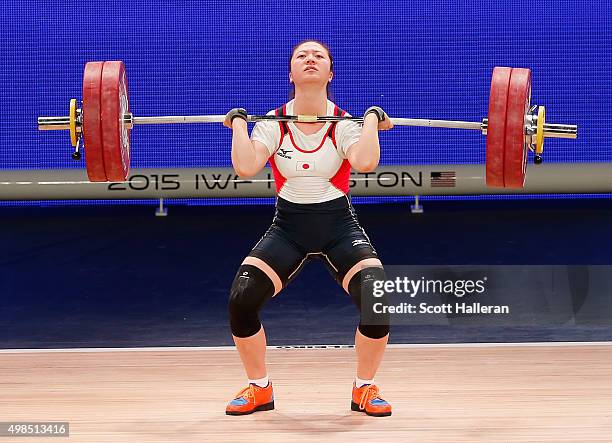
412,287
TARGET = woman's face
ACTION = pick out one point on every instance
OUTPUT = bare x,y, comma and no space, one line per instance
310,64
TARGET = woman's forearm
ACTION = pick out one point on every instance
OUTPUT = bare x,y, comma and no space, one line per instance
365,154
243,152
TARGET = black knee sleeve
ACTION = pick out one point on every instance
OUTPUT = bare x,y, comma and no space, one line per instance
361,289
250,290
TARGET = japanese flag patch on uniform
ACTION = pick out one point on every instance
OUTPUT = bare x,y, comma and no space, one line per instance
305,166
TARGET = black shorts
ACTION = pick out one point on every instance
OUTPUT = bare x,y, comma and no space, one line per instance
329,231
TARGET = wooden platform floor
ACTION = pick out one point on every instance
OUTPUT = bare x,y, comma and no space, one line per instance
517,393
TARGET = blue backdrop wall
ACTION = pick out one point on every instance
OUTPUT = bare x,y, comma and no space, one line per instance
430,59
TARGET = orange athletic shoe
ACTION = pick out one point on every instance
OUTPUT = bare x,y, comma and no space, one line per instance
367,399
251,399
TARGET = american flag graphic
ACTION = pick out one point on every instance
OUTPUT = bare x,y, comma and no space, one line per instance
443,179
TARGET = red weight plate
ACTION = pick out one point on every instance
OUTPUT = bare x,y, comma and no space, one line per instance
496,128
115,134
517,145
92,129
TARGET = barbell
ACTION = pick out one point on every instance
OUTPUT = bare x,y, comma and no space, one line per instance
103,123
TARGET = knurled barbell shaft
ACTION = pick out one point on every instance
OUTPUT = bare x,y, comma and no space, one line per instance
551,130
305,118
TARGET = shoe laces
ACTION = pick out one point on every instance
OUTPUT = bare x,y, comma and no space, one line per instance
369,393
248,392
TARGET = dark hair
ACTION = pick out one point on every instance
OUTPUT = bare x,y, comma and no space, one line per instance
331,67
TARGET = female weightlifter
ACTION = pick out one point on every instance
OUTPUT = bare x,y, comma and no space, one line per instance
314,217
